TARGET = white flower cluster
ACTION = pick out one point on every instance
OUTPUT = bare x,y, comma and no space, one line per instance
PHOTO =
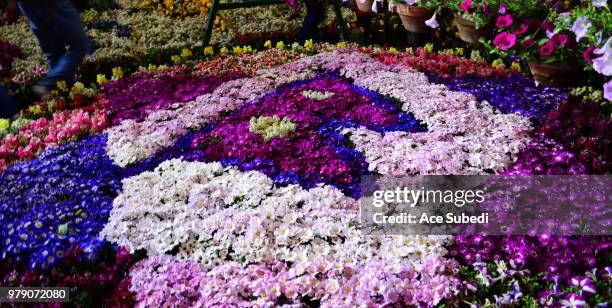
464,136
212,215
317,95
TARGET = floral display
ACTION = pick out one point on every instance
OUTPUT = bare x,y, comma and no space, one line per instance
105,281
134,97
174,174
329,285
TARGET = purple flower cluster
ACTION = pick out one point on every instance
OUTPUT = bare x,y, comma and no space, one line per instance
558,257
135,96
544,156
62,198
584,129
512,94
315,152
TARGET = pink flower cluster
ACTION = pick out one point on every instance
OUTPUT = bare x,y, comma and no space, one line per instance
43,133
162,281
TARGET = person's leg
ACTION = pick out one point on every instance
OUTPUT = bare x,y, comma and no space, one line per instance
8,107
59,24
52,48
68,26
314,15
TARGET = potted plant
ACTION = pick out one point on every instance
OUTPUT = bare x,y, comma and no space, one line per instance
473,17
414,13
592,26
551,52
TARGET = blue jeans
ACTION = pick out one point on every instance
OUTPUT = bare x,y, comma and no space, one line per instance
59,30
7,106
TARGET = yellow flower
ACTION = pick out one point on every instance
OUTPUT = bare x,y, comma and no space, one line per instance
429,47
341,44
308,44
176,59
35,110
237,50
268,44
498,63
117,72
62,86
77,88
4,124
223,50
280,45
151,67
247,49
208,51
101,79
516,66
459,51
186,53
392,50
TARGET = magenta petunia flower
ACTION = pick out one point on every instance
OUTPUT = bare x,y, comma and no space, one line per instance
465,5
547,49
589,54
521,29
504,21
528,43
561,39
505,40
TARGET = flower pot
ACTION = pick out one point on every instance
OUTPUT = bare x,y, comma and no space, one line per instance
467,30
555,74
365,6
414,17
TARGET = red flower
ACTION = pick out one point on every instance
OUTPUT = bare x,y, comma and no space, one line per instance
560,39
528,43
505,40
465,5
504,21
521,29
547,49
589,55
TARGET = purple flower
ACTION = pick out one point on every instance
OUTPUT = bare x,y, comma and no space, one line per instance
573,300
581,27
608,90
585,284
432,23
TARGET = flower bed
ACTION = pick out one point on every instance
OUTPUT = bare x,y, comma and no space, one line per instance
241,188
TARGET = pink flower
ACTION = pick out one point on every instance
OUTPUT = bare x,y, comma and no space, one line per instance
505,40
486,10
547,49
589,55
561,39
504,21
521,29
465,5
